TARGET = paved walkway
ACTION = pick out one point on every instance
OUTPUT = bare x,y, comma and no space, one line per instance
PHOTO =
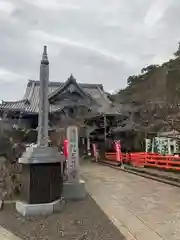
6,235
140,208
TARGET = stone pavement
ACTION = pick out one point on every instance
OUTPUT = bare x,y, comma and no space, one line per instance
6,235
140,208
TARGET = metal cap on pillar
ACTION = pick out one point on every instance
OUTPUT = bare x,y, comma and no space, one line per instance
45,56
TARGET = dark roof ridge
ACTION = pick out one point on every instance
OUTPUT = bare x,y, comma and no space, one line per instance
71,80
103,94
17,101
85,85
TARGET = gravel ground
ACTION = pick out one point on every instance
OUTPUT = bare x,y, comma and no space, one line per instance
81,220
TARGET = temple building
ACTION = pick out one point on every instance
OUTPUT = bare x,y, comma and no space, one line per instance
63,99
83,104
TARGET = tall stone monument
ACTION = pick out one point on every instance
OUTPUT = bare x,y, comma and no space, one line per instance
41,168
74,188
43,101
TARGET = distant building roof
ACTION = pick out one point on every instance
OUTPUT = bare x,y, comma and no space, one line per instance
30,101
172,133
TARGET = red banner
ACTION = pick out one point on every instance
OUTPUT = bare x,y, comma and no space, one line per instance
66,148
118,151
94,152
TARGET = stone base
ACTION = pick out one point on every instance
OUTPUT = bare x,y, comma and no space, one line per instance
74,191
37,154
39,209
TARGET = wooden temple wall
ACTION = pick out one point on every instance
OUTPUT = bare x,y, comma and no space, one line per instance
57,137
9,123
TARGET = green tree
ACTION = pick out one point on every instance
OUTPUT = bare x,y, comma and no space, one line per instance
149,68
131,79
177,53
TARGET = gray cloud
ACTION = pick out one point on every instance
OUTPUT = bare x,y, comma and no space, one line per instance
98,41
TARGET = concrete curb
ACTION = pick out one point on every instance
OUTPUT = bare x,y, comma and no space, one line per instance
168,178
142,174
6,235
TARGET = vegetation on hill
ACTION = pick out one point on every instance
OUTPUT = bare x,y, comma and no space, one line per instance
155,93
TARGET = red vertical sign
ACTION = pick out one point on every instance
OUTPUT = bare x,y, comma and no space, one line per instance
66,148
118,151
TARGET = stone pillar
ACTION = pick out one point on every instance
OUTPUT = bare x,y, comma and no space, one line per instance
88,146
43,101
41,169
73,154
88,131
74,188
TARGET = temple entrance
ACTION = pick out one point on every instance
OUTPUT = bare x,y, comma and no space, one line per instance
72,116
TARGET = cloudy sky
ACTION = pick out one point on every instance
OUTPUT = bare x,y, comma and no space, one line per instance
99,41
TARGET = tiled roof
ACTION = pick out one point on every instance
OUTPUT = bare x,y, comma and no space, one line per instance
80,87
30,102
15,105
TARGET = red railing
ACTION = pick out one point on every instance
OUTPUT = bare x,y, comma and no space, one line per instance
147,159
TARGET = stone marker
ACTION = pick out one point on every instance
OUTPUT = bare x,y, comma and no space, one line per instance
1,204
41,168
73,154
74,188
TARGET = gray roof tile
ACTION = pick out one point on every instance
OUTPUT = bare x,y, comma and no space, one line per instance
14,105
30,102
